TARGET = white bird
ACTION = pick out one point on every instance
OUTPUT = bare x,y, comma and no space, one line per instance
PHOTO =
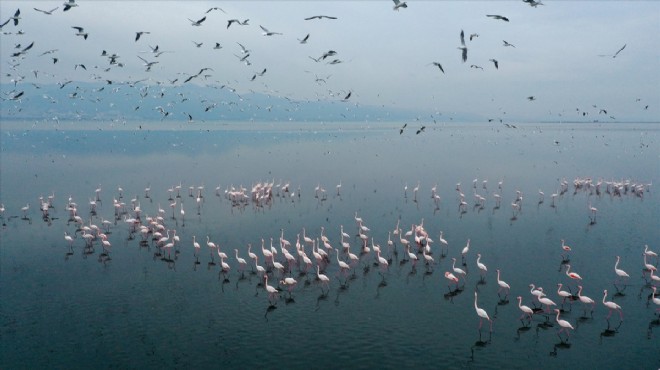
565,325
69,4
268,33
482,314
47,12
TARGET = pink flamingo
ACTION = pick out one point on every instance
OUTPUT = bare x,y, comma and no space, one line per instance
572,275
565,325
482,314
611,306
503,285
525,309
566,249
585,300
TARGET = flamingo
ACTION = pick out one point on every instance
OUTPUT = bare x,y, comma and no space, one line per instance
412,256
525,309
649,252
458,271
611,306
562,293
585,300
260,269
620,273
443,241
482,314
566,249
503,285
272,292
565,325
547,302
225,265
290,283
451,277
656,300
465,250
481,266
68,238
323,278
648,266
572,275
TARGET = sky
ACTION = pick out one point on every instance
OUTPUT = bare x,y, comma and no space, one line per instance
385,55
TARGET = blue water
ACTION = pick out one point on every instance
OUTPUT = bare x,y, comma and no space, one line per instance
137,308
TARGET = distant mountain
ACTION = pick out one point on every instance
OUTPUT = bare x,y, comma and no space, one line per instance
139,101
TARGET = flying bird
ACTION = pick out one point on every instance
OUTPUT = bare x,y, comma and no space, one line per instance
462,38
495,16
197,23
304,39
217,46
244,23
473,35
15,17
319,17
531,98
268,33
508,44
140,33
347,96
438,65
81,32
463,53
215,8
47,12
476,67
244,50
495,62
533,3
398,4
615,54
401,130
421,129
19,53
69,4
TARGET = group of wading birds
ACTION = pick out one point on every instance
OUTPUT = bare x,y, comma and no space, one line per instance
415,244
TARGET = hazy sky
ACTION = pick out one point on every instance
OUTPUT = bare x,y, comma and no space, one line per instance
385,54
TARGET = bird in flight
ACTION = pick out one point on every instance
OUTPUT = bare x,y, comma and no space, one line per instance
533,3
618,51
531,98
319,17
495,62
438,65
476,67
473,35
69,4
304,39
47,12
401,130
140,33
268,33
22,52
463,53
15,18
197,23
398,4
495,16
81,32
215,8
231,21
347,96
508,44
462,38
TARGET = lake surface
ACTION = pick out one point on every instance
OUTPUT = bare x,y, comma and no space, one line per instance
141,305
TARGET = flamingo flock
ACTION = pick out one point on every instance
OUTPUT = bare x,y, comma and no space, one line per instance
285,263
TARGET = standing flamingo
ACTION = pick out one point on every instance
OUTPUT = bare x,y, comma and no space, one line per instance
611,306
481,266
503,285
566,249
620,273
562,293
458,271
565,325
572,275
241,261
655,300
272,292
585,300
323,278
482,314
465,250
525,309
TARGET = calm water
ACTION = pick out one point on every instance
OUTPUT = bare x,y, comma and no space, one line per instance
137,308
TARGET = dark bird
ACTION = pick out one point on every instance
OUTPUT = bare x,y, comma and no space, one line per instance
55,60
473,35
602,111
47,12
69,4
328,53
15,18
319,17
438,65
532,3
508,44
217,46
531,98
462,38
495,16
420,130
304,39
198,44
231,21
401,130
476,67
398,4
347,96
81,66
140,33
262,72
197,23
17,96
618,51
495,62
19,53
463,53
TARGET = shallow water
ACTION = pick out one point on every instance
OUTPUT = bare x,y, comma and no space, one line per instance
136,309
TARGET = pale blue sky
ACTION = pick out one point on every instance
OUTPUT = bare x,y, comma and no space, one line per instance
385,54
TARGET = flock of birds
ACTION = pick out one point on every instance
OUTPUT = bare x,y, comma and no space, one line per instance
282,264
156,92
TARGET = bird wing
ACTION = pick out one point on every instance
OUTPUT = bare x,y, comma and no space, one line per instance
201,20
80,29
264,28
462,38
